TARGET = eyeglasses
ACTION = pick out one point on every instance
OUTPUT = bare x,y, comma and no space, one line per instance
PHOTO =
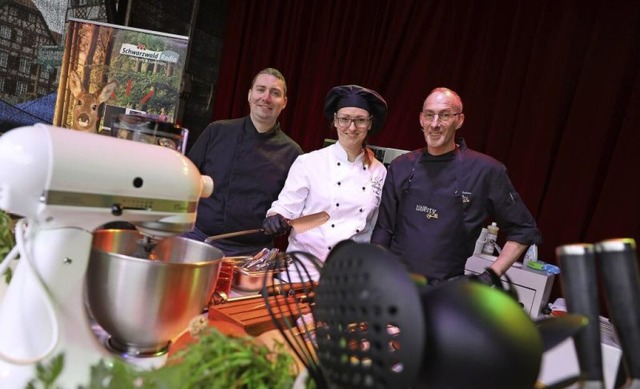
344,121
444,116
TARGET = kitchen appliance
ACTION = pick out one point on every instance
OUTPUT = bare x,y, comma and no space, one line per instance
373,326
533,286
65,184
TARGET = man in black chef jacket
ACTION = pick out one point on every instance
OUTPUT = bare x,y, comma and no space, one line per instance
436,200
248,159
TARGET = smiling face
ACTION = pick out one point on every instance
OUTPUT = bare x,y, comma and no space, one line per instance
439,133
266,100
350,136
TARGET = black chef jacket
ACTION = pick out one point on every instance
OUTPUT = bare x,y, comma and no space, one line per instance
423,194
249,170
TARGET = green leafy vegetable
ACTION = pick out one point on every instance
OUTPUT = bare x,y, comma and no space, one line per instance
214,361
6,240
46,375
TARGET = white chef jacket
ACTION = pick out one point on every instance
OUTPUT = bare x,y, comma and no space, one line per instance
325,180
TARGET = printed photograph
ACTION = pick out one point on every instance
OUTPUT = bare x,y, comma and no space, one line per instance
109,70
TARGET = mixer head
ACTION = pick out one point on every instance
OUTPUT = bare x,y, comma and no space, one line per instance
68,178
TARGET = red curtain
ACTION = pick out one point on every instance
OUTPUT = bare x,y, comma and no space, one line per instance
551,88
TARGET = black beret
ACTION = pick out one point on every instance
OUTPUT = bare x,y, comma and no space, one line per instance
359,97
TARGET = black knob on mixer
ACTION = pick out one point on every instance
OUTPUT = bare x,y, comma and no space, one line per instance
116,209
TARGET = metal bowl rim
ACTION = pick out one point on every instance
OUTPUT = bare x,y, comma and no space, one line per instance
152,262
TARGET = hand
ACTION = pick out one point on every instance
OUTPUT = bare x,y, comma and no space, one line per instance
489,278
275,224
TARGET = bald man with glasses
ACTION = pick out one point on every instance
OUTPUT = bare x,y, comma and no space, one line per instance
436,199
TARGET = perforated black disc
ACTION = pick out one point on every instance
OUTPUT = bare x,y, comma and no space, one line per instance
370,328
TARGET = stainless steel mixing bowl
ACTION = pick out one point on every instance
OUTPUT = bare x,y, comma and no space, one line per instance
144,303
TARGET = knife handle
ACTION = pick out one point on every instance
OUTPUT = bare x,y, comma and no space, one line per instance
232,234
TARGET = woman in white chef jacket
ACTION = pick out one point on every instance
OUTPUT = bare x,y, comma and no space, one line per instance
343,179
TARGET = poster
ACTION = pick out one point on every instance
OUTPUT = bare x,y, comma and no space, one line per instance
109,70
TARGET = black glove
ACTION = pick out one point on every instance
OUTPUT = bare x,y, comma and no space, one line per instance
489,278
275,224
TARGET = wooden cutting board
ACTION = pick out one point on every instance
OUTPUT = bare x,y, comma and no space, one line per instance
253,315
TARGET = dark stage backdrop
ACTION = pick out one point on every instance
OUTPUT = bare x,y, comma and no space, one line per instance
550,88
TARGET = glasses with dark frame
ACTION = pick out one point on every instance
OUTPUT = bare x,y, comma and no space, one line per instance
359,122
444,117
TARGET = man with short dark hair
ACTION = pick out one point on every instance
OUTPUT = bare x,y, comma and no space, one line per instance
248,159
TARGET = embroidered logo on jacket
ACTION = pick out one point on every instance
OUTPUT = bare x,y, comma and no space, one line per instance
430,213
376,185
466,197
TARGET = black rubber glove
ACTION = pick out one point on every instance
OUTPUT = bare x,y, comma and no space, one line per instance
489,278
275,224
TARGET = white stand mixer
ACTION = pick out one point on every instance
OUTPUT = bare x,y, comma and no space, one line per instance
66,184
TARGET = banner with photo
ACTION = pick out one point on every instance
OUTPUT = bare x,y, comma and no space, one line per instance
108,70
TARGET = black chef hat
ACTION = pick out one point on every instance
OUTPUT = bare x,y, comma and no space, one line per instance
359,97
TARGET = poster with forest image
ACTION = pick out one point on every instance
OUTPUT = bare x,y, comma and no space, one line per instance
108,70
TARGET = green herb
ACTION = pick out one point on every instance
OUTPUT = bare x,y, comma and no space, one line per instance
214,361
217,360
6,241
46,375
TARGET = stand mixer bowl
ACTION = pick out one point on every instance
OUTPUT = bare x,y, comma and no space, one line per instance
144,303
